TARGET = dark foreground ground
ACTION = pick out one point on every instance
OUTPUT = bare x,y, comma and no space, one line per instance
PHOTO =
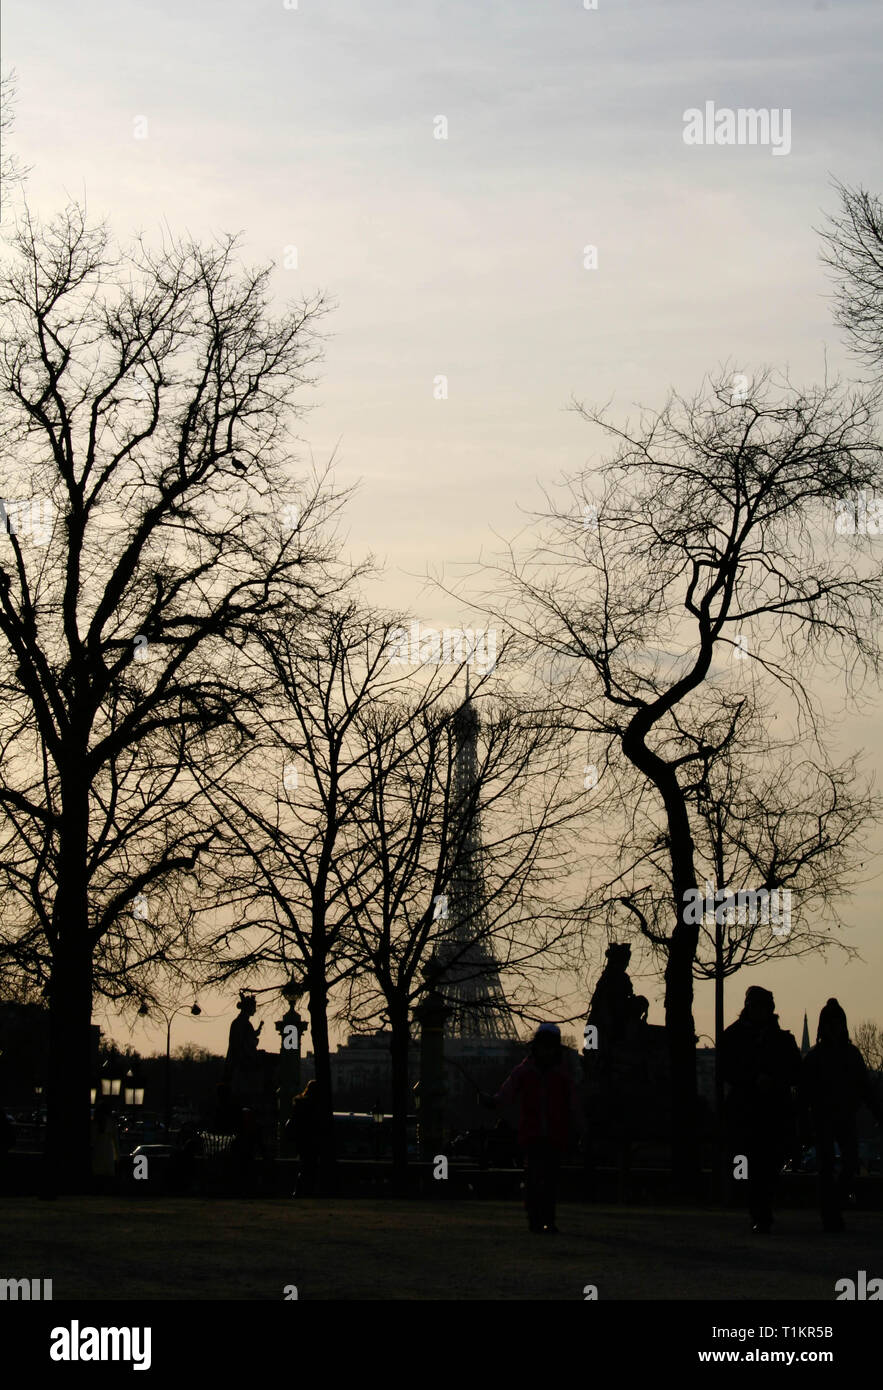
108,1248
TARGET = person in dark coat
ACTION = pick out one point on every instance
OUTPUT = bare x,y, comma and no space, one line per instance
761,1063
834,1083
550,1117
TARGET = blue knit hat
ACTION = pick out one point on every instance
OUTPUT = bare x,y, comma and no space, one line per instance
550,1028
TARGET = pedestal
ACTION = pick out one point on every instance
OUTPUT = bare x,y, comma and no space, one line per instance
290,1029
431,1014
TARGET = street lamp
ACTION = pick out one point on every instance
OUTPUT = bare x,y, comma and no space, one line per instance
196,1011
110,1084
134,1091
292,991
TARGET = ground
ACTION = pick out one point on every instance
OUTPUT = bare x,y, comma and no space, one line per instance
107,1248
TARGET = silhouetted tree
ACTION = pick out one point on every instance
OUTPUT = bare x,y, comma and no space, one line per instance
853,250
868,1038
286,808
151,517
408,904
707,559
12,172
777,842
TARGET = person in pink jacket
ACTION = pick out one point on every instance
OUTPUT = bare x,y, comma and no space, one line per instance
550,1117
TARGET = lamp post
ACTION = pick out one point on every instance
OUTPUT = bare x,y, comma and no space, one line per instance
110,1080
144,1010
134,1089
711,809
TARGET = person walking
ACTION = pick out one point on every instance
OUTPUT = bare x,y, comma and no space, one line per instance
835,1082
105,1148
549,1119
760,1063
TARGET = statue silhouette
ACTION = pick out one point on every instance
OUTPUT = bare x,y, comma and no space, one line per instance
617,1074
615,1010
242,1069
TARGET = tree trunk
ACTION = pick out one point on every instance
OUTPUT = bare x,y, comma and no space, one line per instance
719,1185
68,1137
398,1046
681,1038
680,1028
322,1061
679,1023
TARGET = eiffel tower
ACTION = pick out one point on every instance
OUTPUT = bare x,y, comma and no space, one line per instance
468,974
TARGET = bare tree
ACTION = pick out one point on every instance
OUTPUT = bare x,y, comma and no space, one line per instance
784,828
777,845
341,835
413,916
853,250
868,1038
12,172
151,517
706,562
288,806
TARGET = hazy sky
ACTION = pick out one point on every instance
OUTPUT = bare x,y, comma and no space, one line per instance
315,127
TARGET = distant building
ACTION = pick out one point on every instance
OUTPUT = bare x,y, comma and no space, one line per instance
804,1041
361,1073
24,1053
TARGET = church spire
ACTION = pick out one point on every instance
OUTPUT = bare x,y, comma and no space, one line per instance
804,1041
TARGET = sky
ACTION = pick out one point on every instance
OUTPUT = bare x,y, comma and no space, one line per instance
313,128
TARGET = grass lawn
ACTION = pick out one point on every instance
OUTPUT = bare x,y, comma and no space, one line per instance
108,1248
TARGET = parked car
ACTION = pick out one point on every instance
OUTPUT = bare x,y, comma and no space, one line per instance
141,1129
149,1151
360,1135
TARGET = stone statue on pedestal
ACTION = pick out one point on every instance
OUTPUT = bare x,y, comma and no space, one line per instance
616,1011
616,1061
243,1068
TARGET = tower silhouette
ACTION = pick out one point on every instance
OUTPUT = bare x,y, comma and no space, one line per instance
804,1042
468,974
